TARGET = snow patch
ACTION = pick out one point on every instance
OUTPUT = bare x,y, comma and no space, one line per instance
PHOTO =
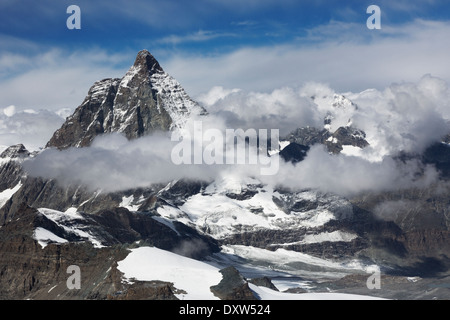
282,145
193,276
332,140
44,237
5,195
130,204
335,236
129,75
68,221
175,100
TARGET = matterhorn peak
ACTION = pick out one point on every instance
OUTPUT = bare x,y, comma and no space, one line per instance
146,99
145,60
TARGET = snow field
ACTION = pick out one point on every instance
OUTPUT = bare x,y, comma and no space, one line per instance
196,277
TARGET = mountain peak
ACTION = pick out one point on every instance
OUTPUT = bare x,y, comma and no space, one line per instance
16,151
146,99
146,60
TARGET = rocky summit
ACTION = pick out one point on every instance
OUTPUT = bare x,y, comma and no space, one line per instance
145,100
232,238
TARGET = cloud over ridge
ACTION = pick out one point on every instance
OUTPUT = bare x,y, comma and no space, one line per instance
402,118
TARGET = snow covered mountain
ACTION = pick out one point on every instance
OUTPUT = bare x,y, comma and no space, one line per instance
338,133
248,238
146,99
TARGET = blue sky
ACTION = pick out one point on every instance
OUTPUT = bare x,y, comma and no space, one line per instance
255,45
201,26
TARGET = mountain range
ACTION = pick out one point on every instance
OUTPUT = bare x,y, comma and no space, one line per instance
249,238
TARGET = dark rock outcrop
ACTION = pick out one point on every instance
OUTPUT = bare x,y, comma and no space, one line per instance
294,152
334,141
263,282
145,290
233,286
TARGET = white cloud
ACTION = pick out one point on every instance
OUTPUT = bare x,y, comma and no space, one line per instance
346,175
31,128
113,163
215,94
285,109
345,56
9,111
404,117
348,57
200,35
55,79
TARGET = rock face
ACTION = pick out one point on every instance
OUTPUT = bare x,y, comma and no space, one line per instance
145,100
233,286
32,267
28,271
334,141
438,155
294,152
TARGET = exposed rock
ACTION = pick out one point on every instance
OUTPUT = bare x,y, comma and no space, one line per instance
90,119
11,174
145,100
145,290
263,282
294,152
308,136
14,152
30,271
295,290
438,155
232,286
334,141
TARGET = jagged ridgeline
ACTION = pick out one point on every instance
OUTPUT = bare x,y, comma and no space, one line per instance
145,100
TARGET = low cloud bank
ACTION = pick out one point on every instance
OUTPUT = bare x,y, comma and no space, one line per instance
404,117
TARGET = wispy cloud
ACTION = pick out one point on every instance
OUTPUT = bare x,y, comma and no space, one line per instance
400,54
30,127
245,23
55,78
199,36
